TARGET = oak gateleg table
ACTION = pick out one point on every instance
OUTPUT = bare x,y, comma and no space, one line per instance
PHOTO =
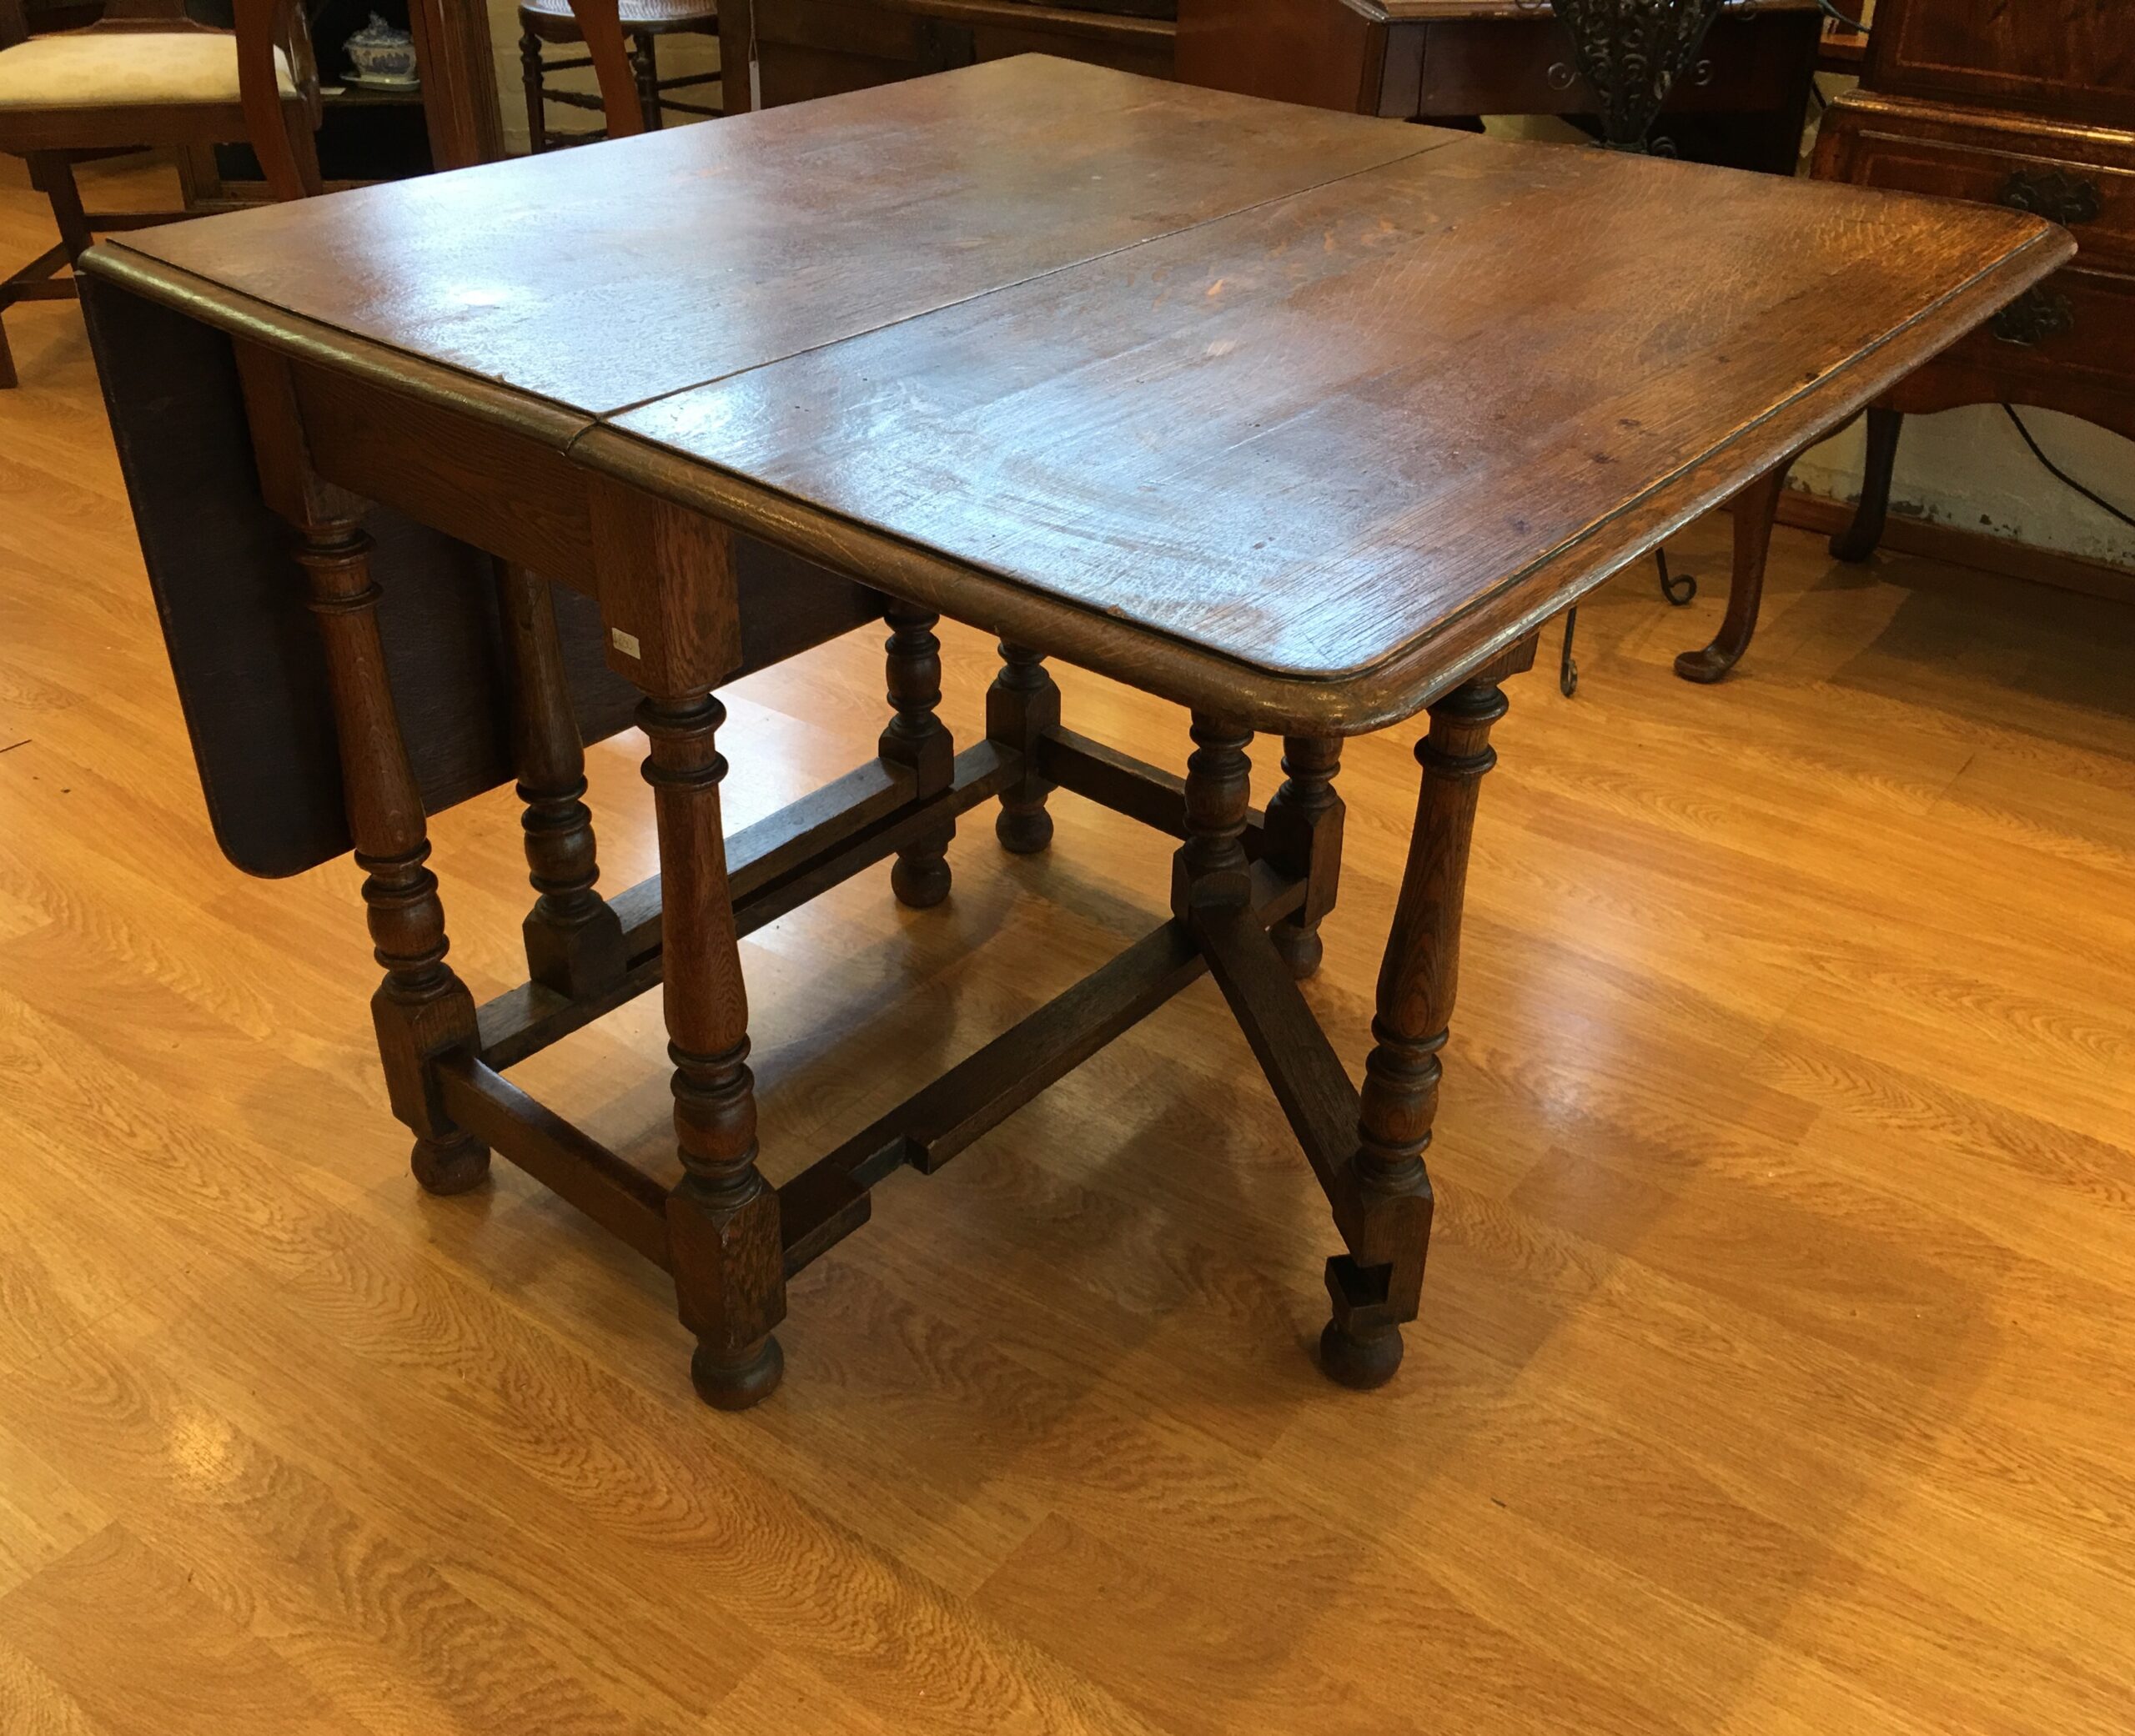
1304,421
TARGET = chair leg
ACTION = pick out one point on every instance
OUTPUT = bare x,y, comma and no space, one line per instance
53,173
8,379
645,67
530,72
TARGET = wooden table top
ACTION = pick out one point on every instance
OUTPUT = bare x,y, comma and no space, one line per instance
1318,408
601,278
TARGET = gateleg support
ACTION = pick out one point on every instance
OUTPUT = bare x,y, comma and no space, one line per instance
574,939
1304,840
422,1012
1022,706
917,739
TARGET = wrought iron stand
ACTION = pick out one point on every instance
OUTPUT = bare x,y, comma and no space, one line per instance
1631,53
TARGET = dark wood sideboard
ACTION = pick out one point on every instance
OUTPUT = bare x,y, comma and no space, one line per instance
2032,106
777,52
1741,103
1420,59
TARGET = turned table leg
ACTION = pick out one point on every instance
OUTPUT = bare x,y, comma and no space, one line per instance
1304,837
917,738
1377,1286
1210,868
1021,705
1754,509
421,1011
722,1218
574,941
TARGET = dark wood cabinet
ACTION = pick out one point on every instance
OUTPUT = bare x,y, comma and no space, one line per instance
1742,102
776,52
2066,60
2030,104
2027,103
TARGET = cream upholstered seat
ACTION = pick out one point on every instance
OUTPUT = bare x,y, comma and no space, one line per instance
125,68
145,75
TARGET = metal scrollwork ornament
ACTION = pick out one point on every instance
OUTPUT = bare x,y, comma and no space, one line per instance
1631,52
2054,194
2033,317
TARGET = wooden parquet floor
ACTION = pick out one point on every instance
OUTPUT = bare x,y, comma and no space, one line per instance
1778,1362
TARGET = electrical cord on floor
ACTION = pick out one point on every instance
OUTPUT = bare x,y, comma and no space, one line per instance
2059,474
1830,11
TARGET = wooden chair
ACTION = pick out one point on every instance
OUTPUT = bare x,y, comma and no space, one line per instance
601,25
146,75
643,23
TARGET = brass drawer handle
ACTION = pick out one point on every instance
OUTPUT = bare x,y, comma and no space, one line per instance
2054,194
2033,317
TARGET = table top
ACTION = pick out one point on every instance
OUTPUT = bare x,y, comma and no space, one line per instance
600,278
1325,406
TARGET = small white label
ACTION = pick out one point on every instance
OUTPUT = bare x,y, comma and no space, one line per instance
626,643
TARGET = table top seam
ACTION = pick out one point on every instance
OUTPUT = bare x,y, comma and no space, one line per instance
1409,647
602,417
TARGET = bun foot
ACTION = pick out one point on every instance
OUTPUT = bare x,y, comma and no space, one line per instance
1360,1359
737,1386
1704,666
920,883
1023,831
451,1165
1300,948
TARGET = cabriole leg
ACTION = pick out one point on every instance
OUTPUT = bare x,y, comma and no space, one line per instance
722,1218
1858,540
1376,1286
1021,705
916,737
1304,836
421,1011
1753,511
574,941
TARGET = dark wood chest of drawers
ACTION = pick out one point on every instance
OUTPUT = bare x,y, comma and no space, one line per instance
2023,103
